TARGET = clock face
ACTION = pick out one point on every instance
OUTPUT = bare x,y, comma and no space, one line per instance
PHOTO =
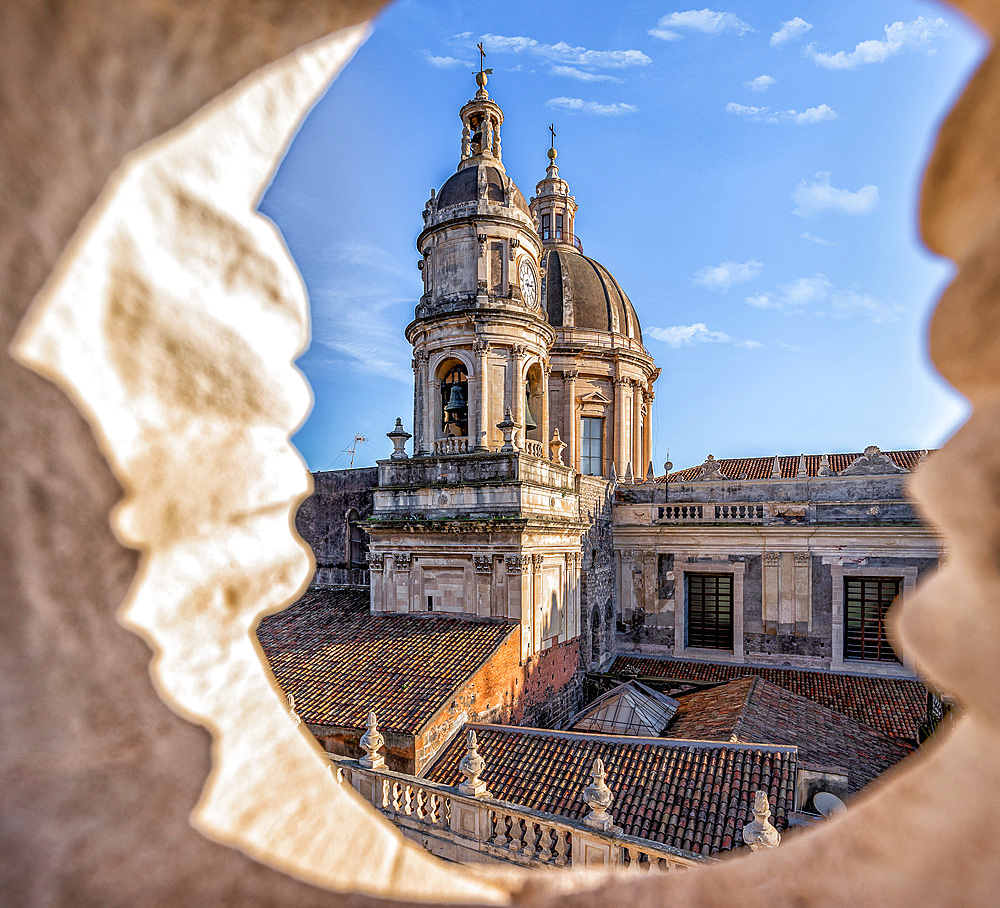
529,284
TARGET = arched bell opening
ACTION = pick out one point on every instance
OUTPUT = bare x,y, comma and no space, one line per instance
454,401
533,407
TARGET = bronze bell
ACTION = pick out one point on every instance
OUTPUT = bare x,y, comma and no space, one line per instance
529,421
456,401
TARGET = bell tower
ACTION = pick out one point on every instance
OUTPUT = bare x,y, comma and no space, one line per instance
480,337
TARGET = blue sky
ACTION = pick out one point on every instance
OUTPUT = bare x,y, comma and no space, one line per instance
749,173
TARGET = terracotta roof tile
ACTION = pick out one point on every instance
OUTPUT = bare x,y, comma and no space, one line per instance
695,797
893,706
760,467
756,710
339,661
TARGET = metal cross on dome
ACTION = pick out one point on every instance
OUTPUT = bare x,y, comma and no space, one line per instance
482,57
552,129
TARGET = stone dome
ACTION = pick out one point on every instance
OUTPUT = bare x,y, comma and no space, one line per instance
463,186
582,293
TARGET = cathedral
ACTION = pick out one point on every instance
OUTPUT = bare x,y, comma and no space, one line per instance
522,568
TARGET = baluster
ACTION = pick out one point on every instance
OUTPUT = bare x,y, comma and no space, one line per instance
408,799
545,842
500,839
515,834
397,793
432,808
562,847
530,838
420,804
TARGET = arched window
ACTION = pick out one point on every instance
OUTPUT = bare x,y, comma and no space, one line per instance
455,402
595,636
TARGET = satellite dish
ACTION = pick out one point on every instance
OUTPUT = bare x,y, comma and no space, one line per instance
828,804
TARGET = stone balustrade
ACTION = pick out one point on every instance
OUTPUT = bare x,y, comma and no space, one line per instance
534,448
700,512
452,445
476,829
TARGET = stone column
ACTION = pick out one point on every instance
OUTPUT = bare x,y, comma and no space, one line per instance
517,353
803,593
572,422
638,467
769,615
544,417
421,445
536,603
618,457
647,442
482,428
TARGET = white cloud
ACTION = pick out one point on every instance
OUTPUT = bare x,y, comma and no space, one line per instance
707,21
582,75
592,107
813,197
818,240
722,276
818,290
446,62
920,33
765,114
789,31
699,333
564,53
761,83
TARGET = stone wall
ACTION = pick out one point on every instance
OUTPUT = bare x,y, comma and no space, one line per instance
552,688
322,521
597,579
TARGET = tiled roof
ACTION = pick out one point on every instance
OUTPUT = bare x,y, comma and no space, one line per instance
339,661
760,467
756,710
695,797
894,706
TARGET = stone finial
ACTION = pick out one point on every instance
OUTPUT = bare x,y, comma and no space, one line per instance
760,833
599,798
776,468
291,709
371,743
508,427
824,466
801,473
871,463
650,475
399,437
556,448
471,766
629,476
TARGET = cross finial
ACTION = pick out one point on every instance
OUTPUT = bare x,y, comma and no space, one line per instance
552,129
482,55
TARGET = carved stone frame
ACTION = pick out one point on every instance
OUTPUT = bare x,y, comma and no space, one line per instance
681,650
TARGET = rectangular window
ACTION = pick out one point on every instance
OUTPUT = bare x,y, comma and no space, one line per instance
709,610
559,226
866,601
546,225
591,453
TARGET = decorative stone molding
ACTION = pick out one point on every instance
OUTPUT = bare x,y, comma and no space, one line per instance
471,766
772,558
483,563
556,448
401,560
376,560
481,347
536,561
371,743
760,833
508,427
570,374
872,463
649,558
824,466
515,563
710,471
599,798
399,437
518,351
803,558
422,356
